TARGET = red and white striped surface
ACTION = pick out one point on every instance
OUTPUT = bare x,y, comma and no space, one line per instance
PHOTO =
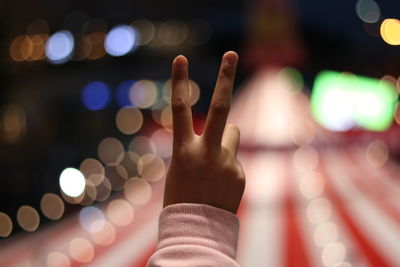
278,223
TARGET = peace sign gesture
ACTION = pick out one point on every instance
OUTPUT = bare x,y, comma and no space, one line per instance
204,168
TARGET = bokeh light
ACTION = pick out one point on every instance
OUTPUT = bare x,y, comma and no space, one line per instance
106,236
311,185
173,32
390,31
142,145
72,182
52,206
163,141
103,190
28,218
81,250
377,153
122,93
57,259
93,170
129,162
91,219
120,40
14,123
151,167
110,150
319,210
59,47
143,93
166,118
6,225
368,11
120,212
146,30
90,193
93,45
137,191
129,120
325,234
96,95
21,48
302,132
343,264
38,42
305,158
117,175
333,254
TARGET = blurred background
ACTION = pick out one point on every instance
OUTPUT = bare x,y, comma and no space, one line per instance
85,126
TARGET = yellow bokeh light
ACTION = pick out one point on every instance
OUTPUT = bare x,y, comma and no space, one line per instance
103,190
120,212
325,234
129,120
377,153
117,175
142,145
93,45
333,254
81,250
106,236
305,158
57,259
390,31
93,170
311,185
151,167
110,150
146,29
52,206
6,225
137,191
319,210
143,93
28,218
90,193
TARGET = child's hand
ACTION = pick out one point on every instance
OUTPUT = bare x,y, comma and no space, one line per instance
204,169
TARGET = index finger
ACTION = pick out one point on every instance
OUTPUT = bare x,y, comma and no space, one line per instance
221,101
181,110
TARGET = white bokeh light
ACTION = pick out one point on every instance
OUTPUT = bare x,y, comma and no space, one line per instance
59,47
72,182
120,40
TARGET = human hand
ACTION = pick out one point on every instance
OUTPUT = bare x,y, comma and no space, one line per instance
204,168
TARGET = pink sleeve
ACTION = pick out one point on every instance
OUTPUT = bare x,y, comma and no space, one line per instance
196,235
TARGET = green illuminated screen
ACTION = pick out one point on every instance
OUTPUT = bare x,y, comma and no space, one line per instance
341,101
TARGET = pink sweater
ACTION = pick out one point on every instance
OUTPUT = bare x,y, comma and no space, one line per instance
196,235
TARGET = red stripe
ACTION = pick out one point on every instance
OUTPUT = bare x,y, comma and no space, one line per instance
295,251
364,246
374,189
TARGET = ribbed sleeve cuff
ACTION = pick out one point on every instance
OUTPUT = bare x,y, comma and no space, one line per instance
199,224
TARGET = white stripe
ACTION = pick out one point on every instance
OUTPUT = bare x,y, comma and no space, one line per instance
382,232
262,223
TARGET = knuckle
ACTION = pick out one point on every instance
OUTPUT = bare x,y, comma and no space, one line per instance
220,107
179,105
